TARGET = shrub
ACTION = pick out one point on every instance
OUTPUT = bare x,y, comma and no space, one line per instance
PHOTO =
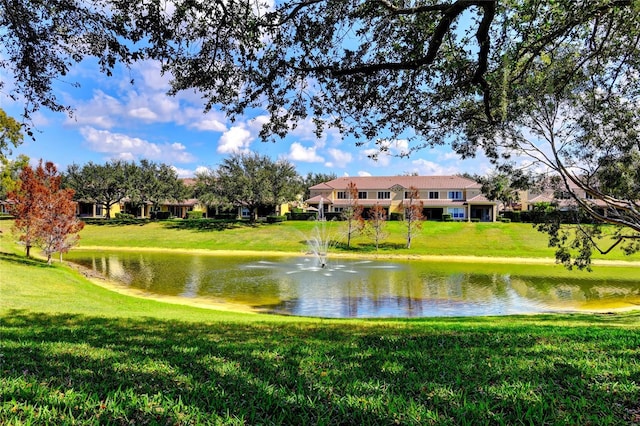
276,219
195,214
475,219
124,216
161,215
513,216
396,216
447,217
226,216
333,216
303,216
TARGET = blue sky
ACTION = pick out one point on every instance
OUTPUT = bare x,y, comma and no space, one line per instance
114,119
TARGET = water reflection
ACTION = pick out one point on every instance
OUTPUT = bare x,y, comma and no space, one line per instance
364,288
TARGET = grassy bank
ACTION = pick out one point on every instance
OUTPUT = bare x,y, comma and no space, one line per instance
435,238
72,352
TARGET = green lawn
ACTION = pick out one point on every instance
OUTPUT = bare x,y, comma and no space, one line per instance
75,353
435,238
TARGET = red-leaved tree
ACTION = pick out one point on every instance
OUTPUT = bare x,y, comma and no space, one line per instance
45,214
25,204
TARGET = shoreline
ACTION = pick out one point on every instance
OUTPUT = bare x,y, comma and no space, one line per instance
416,257
102,281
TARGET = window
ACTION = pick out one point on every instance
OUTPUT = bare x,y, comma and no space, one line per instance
341,195
246,212
362,195
338,209
384,195
434,195
457,212
455,195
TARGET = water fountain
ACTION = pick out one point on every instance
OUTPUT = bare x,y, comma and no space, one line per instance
320,241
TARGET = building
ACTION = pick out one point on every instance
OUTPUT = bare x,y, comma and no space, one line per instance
457,196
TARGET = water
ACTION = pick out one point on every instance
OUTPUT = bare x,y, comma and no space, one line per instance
367,288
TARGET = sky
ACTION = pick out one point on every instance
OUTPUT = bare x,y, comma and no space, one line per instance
114,119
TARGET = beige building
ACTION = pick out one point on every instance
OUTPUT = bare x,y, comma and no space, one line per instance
454,195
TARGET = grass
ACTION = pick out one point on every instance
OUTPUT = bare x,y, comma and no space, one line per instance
75,353
435,238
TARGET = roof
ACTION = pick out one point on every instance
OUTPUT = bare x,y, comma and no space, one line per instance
187,203
387,182
317,199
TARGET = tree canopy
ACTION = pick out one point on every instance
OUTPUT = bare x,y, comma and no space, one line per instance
45,213
253,181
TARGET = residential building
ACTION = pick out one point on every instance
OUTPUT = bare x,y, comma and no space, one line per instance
455,195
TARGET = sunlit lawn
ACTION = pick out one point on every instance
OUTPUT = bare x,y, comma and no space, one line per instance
435,238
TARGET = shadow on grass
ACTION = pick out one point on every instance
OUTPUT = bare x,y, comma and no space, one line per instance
208,224
23,260
124,371
116,222
369,247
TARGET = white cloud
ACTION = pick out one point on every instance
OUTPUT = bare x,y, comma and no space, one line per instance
382,159
340,158
101,110
183,173
398,147
297,152
144,114
203,169
235,140
363,173
151,75
128,148
429,168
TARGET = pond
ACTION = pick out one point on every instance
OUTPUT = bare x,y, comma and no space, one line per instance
349,288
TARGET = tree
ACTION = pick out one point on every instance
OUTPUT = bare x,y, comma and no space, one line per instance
352,212
376,224
578,119
286,183
45,214
10,133
59,230
27,206
9,172
206,191
255,181
104,185
413,215
153,183
371,67
505,186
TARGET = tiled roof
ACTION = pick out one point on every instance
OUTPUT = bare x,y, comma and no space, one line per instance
386,182
480,199
317,199
187,203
